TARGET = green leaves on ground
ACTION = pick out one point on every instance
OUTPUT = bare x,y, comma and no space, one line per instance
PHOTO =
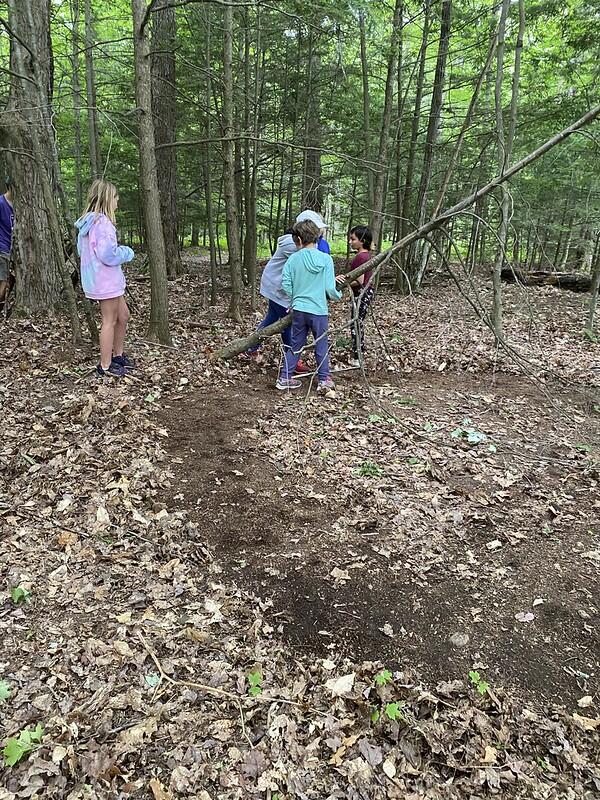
21,745
255,681
19,595
384,677
478,682
393,711
369,469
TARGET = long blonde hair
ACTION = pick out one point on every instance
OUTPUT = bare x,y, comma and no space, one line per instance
102,199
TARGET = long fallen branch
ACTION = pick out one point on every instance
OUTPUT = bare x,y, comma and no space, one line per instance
239,345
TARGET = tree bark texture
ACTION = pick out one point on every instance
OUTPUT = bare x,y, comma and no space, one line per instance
232,220
384,136
312,188
90,83
159,306
364,65
417,260
502,162
76,90
164,110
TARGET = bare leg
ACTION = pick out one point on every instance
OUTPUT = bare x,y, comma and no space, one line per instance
110,313
3,290
121,327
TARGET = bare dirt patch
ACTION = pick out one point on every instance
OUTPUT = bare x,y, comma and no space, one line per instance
451,539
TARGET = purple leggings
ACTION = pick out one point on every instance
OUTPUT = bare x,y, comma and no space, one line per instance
304,323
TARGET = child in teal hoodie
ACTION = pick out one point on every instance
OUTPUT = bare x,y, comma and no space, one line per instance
308,279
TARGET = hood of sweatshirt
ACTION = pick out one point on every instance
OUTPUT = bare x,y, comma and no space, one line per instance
313,260
84,223
285,240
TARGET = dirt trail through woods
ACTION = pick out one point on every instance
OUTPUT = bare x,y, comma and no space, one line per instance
396,575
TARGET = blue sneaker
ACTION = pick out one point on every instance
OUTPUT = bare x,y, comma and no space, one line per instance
114,371
123,361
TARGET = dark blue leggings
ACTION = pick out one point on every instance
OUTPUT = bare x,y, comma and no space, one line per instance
274,312
304,323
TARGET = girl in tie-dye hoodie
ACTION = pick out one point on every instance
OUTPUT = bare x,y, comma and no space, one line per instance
102,278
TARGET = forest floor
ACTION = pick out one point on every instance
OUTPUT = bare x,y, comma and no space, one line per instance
210,589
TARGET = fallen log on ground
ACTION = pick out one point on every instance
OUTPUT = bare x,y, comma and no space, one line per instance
573,281
239,345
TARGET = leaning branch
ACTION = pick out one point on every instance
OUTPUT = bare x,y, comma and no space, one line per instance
239,345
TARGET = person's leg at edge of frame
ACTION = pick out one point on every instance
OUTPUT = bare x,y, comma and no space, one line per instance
298,337
120,328
274,312
4,279
110,312
362,315
319,326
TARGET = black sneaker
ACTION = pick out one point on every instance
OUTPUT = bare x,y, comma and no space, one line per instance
123,361
114,371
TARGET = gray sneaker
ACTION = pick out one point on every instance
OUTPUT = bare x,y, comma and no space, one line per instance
326,386
288,383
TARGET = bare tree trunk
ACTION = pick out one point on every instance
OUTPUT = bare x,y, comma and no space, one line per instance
384,136
505,145
159,301
251,120
595,286
229,188
76,89
164,110
366,102
417,257
195,240
312,189
207,165
90,82
402,284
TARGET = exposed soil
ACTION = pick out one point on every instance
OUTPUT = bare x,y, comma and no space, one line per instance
405,579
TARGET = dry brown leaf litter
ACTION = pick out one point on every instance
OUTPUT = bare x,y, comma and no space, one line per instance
131,615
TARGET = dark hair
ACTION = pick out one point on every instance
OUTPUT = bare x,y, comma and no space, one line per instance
7,181
364,235
306,231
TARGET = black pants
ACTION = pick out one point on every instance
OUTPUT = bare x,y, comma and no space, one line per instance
358,326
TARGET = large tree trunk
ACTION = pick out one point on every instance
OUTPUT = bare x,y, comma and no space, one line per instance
251,124
312,188
402,283
364,65
207,164
26,131
505,144
159,304
229,188
595,286
384,136
164,110
76,89
90,83
418,256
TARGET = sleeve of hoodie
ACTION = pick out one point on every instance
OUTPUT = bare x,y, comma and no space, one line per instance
107,249
287,277
330,287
